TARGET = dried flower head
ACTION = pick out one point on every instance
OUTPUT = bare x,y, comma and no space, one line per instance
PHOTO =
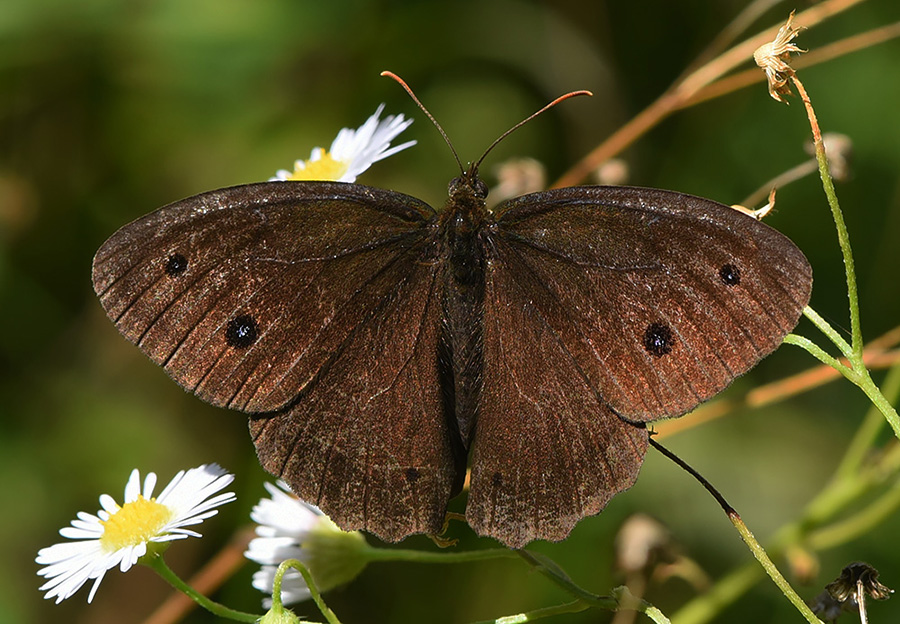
613,172
774,59
640,543
847,593
856,578
758,213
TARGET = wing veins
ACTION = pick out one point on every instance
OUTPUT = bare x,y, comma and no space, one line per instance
613,376
340,427
339,350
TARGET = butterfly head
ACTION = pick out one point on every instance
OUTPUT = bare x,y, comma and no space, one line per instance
467,193
469,184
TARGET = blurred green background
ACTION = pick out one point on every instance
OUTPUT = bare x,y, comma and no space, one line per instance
112,108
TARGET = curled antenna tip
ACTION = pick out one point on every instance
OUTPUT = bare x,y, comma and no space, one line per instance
561,98
407,88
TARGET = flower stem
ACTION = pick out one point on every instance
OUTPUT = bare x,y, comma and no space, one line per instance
771,570
816,351
838,216
858,373
417,556
824,327
555,574
621,599
314,593
159,566
576,606
861,445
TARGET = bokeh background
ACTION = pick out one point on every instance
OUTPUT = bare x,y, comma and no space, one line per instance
112,108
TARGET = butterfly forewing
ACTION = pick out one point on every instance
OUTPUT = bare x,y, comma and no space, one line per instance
244,294
661,298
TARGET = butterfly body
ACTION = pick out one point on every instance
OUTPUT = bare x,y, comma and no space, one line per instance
379,345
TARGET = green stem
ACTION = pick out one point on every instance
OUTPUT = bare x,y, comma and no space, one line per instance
771,570
829,331
838,216
726,591
576,606
627,600
159,566
549,569
416,556
867,433
856,372
860,375
817,352
857,524
878,400
621,599
330,616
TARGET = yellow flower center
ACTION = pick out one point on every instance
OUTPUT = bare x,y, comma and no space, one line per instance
134,523
325,168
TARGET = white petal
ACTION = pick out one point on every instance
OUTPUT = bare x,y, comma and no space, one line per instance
274,550
284,514
109,505
132,488
149,485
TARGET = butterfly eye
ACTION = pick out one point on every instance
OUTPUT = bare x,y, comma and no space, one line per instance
454,185
481,189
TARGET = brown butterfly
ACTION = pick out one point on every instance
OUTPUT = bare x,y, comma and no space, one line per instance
380,345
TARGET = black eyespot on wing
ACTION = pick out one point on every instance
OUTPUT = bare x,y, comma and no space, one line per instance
242,331
412,475
176,265
658,339
730,274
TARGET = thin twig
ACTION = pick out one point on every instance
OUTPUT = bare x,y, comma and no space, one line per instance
686,88
827,52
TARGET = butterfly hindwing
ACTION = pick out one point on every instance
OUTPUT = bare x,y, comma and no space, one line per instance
547,450
368,440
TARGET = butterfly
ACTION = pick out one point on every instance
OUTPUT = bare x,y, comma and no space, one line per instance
381,346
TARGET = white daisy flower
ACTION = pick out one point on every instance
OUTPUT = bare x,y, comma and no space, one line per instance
290,528
352,152
119,535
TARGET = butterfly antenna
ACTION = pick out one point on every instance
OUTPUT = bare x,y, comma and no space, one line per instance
403,84
526,120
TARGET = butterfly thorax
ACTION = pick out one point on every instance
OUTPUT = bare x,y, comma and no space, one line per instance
463,223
